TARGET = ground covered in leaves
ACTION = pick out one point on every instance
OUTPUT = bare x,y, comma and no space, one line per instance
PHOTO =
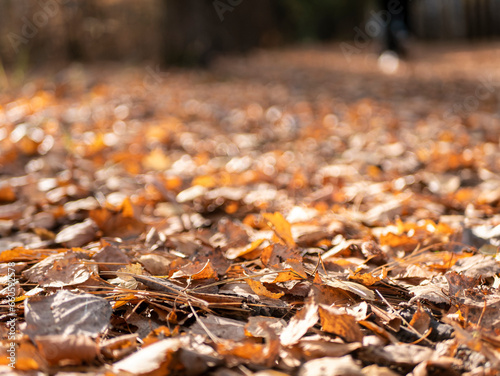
289,212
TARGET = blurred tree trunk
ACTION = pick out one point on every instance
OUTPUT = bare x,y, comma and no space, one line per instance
196,30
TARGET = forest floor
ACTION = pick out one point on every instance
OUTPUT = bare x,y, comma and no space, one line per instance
287,212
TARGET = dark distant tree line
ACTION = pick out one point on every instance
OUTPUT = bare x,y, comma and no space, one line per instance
194,31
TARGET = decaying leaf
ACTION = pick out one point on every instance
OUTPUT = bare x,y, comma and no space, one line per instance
313,348
477,266
62,269
65,313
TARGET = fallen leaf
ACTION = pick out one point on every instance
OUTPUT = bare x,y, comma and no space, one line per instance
66,314
420,320
78,234
281,228
62,269
336,322
70,349
344,366
220,327
298,326
157,358
258,288
196,271
401,354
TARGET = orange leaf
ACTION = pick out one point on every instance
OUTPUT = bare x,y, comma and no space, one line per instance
207,181
127,208
124,301
27,357
233,253
365,279
197,270
260,289
296,271
281,228
23,254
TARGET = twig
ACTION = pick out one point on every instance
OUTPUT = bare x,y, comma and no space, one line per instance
212,336
410,327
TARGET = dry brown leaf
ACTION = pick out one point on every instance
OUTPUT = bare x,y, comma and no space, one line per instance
400,354
7,194
117,224
298,326
78,234
420,320
276,254
366,279
319,348
375,370
380,332
155,264
477,265
352,287
111,258
221,327
65,313
26,357
62,269
324,294
67,349
336,322
118,347
23,254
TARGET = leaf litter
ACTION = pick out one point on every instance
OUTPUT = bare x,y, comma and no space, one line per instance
340,224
